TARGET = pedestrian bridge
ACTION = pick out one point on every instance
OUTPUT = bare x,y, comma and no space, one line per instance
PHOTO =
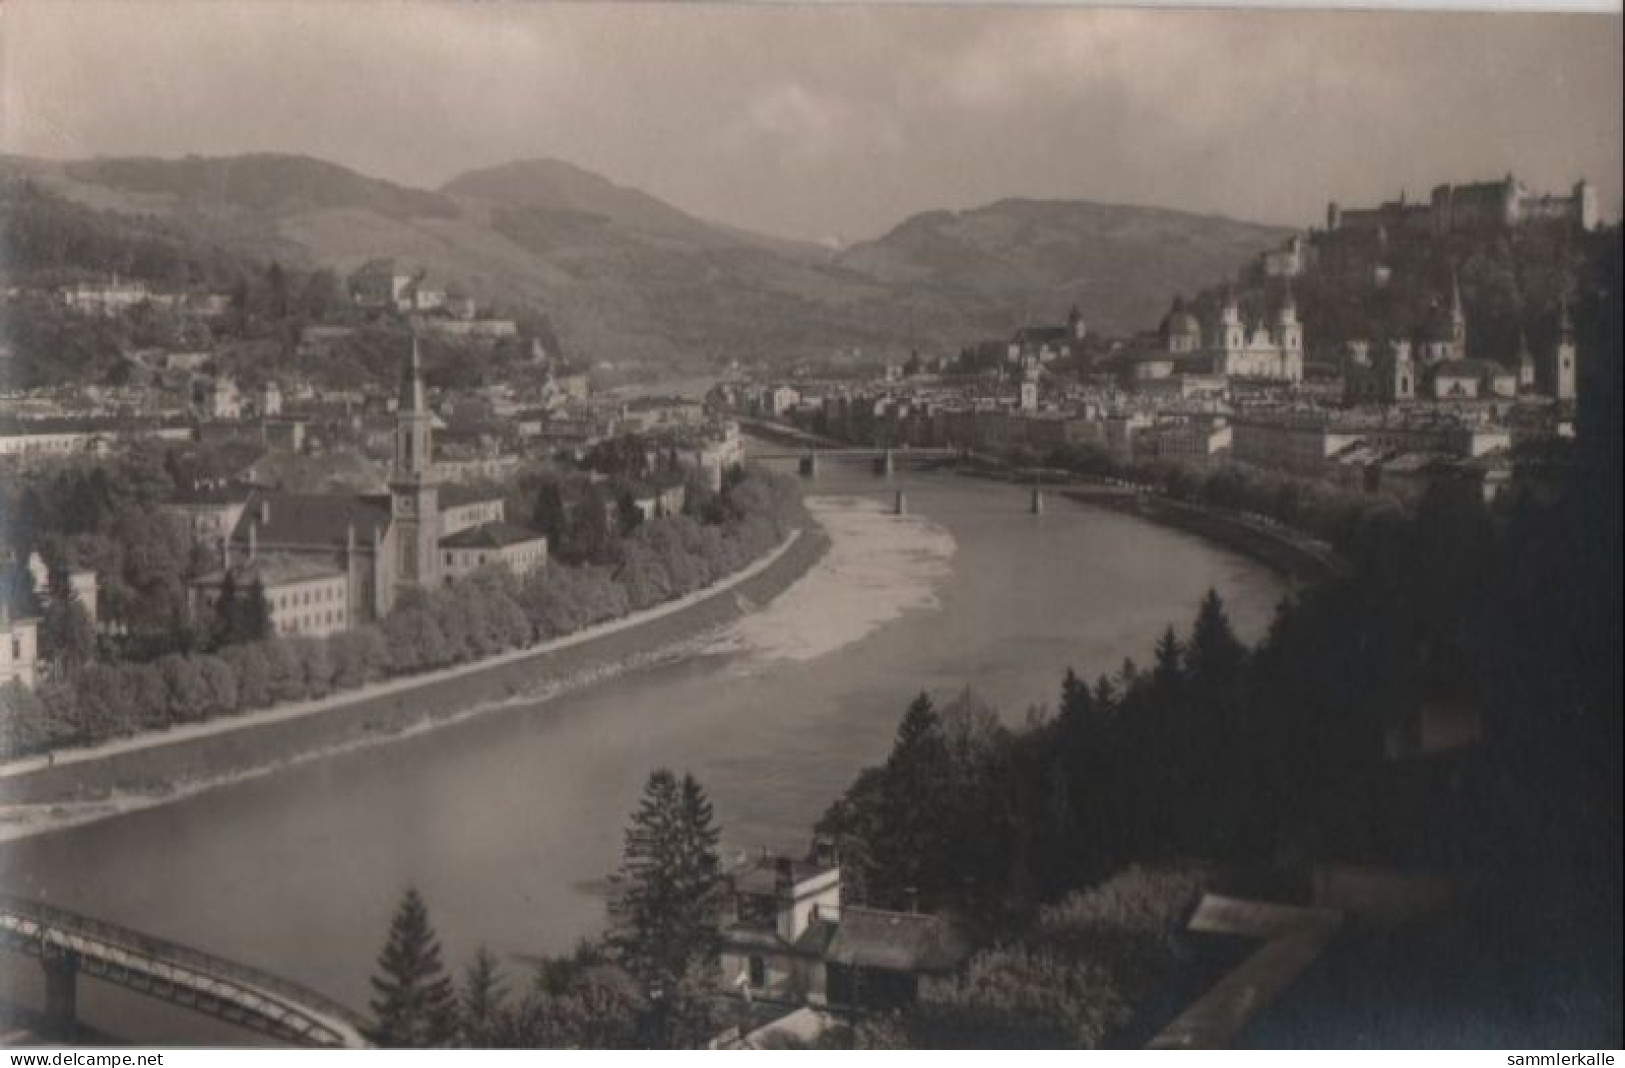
67,943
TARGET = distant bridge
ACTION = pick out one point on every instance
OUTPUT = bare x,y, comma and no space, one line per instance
884,460
855,452
67,943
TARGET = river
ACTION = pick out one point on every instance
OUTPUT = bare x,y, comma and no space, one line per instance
508,823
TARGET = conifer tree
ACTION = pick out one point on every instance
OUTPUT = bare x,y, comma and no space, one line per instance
1215,654
1076,701
484,991
415,1006
919,735
911,836
666,892
1170,661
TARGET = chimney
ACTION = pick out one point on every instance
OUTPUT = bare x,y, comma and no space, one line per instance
253,542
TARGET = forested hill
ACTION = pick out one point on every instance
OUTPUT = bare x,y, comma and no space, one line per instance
624,277
1035,258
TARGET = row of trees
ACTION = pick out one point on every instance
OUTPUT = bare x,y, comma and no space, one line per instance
487,613
1350,520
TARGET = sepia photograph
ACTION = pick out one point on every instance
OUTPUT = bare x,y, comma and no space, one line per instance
809,526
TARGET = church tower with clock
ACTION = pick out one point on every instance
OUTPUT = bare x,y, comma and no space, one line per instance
413,493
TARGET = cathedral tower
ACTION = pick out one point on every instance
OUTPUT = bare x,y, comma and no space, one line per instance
414,497
1563,370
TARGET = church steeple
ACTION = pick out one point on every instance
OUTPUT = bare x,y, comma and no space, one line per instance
411,395
414,449
415,504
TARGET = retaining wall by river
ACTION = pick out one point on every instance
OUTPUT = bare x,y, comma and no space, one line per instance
1293,555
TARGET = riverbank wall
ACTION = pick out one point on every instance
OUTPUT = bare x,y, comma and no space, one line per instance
167,768
1295,556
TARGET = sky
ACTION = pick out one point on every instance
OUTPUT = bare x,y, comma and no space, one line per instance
837,121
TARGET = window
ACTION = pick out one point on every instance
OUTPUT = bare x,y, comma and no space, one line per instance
758,972
16,648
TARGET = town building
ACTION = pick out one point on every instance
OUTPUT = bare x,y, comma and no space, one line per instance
1288,261
80,582
303,596
383,544
494,544
379,284
19,647
1435,365
1271,350
1477,207
788,938
58,437
112,297
1045,344
1231,347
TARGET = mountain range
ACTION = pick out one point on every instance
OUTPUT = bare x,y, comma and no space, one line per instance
624,276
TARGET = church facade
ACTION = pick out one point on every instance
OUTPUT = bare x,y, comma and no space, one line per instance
380,545
1270,348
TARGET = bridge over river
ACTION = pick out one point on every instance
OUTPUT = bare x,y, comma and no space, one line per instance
67,943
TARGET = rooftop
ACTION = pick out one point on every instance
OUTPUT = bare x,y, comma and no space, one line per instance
494,535
767,873
313,518
896,941
273,571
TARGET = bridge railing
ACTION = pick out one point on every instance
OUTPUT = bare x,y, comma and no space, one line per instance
161,949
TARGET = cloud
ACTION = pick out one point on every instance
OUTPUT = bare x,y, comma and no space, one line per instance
809,119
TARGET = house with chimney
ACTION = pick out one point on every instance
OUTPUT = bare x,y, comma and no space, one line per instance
788,938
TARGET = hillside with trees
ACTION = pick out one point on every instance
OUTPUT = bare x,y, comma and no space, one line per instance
626,278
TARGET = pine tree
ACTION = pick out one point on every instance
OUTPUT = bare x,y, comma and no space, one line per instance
484,990
666,892
1215,654
910,835
1170,661
415,1005
1105,699
1075,725
918,735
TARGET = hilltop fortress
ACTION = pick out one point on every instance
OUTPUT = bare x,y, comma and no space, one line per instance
1503,205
